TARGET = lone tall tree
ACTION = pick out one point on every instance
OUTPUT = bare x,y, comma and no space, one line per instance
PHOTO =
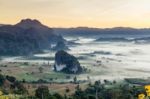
42,92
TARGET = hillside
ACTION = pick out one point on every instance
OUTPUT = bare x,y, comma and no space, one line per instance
26,37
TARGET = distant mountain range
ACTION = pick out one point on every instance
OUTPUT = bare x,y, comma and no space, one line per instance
30,36
1,24
85,31
26,37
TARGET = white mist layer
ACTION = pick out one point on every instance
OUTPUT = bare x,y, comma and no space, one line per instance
126,59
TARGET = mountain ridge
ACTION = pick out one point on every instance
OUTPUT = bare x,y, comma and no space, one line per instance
26,37
86,31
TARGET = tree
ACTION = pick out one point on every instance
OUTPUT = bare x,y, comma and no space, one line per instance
42,92
1,79
58,96
97,83
41,69
23,81
78,87
67,90
75,79
11,78
52,97
19,88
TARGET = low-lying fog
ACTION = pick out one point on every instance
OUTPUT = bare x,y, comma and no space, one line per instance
106,59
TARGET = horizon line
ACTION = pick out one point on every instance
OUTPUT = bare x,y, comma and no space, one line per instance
69,27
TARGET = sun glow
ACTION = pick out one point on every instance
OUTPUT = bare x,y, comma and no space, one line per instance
74,13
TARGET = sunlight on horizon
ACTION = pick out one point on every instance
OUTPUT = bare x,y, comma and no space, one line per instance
74,13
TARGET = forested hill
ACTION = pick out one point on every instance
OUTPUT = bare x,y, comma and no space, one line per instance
26,37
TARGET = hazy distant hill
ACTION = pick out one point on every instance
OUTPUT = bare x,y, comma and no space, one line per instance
85,31
1,24
26,37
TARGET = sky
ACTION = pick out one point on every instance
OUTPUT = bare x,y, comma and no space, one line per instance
78,13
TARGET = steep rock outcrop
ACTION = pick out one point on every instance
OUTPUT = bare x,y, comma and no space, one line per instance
66,63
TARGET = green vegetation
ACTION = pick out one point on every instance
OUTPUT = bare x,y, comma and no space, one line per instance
26,38
97,90
9,85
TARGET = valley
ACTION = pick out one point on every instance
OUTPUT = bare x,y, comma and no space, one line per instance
104,60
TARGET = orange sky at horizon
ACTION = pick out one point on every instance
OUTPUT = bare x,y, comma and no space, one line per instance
76,13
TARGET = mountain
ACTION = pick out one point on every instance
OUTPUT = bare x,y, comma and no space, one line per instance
28,23
115,39
26,37
66,63
99,32
1,24
60,46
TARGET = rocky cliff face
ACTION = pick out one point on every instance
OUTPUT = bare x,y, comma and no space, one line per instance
66,63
